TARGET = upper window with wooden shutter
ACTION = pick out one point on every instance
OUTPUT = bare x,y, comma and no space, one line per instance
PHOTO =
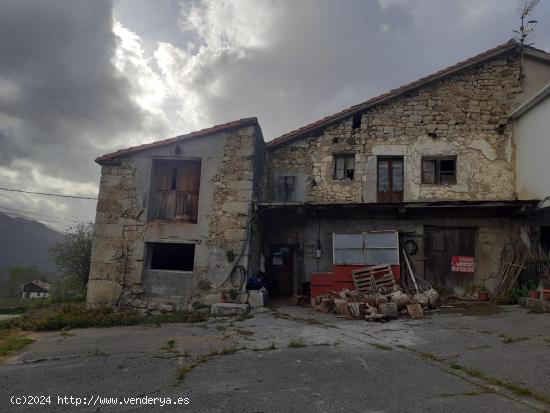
176,190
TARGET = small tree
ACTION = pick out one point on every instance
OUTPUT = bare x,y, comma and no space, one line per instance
72,255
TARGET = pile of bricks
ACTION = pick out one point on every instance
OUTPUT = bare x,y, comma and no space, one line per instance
375,307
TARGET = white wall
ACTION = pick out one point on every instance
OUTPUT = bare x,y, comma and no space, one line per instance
35,294
533,152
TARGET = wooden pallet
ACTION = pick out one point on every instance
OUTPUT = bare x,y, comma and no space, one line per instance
371,280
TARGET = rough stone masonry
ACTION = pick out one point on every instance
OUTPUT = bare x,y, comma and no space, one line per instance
119,271
462,114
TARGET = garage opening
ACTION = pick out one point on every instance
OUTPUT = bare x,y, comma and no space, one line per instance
172,256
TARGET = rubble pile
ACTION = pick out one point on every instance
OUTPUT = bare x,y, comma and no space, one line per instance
377,297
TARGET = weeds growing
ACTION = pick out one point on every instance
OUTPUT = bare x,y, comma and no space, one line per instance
297,343
75,316
12,343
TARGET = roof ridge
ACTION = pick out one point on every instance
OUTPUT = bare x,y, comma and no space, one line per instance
392,93
195,134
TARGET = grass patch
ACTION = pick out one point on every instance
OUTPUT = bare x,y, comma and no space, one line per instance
18,305
76,316
221,328
244,332
183,371
13,310
310,321
508,340
381,346
297,343
270,347
66,334
514,388
170,346
244,317
466,393
228,350
480,347
13,342
429,356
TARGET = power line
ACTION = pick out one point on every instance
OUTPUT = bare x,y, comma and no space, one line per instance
43,215
47,194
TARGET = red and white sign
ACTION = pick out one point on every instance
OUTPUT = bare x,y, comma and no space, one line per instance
460,263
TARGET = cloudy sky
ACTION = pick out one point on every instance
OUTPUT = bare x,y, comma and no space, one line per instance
79,78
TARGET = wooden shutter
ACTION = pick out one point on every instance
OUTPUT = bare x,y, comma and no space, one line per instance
187,199
176,190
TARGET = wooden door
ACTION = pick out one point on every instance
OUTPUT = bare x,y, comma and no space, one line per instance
441,244
281,264
390,179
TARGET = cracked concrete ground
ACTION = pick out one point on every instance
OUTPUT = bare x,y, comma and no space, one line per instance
490,358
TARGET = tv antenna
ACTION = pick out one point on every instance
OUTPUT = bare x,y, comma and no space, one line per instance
525,7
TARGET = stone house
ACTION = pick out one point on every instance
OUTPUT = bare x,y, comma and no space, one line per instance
172,216
434,160
36,289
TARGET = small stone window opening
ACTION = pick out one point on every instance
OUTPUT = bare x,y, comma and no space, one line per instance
172,256
439,170
344,166
357,120
286,188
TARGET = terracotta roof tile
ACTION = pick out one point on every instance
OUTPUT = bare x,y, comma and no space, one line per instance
44,285
297,133
197,134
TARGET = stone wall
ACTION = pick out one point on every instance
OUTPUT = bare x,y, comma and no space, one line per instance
462,115
237,183
119,271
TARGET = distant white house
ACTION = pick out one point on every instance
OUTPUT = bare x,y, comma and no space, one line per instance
36,289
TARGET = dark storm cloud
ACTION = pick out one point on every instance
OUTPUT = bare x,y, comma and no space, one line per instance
320,56
60,94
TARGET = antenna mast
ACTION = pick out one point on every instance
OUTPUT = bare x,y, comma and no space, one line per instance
524,8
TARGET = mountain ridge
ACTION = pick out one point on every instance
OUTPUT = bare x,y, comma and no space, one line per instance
24,241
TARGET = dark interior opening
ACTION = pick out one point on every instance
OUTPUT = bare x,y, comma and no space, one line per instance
175,257
545,238
357,120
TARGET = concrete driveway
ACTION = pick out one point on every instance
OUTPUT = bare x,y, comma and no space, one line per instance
481,358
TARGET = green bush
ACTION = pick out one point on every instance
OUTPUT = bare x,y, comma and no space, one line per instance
73,316
13,310
58,297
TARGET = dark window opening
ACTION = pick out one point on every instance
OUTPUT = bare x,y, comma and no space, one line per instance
439,170
545,238
173,257
286,188
344,166
173,185
357,120
176,190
